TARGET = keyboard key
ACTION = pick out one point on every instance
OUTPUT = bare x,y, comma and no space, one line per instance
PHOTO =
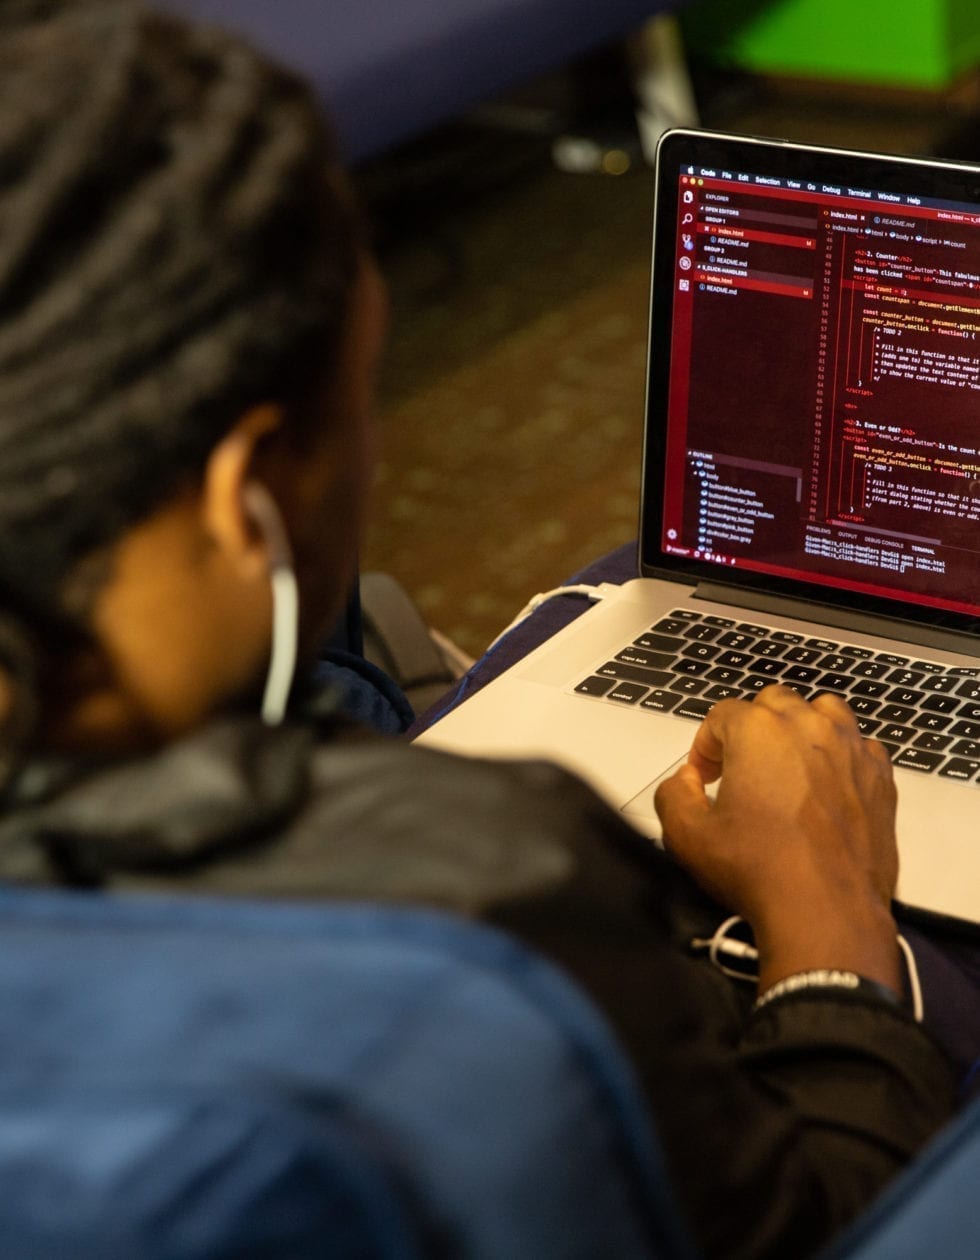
932,742
866,726
967,748
967,730
798,687
896,733
735,639
970,689
660,701
786,636
725,622
627,692
825,645
659,643
801,674
835,661
685,614
757,631
904,695
889,658
863,705
916,759
725,676
896,713
931,722
632,673
858,653
691,669
834,682
737,660
904,678
940,704
718,692
870,669
755,682
869,687
969,712
929,667
768,647
689,686
595,686
960,768
697,710
803,655
702,632
644,658
670,625
701,652
943,683
768,668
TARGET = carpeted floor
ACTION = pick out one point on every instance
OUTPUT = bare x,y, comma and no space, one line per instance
512,405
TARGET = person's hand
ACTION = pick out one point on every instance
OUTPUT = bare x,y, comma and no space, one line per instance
801,838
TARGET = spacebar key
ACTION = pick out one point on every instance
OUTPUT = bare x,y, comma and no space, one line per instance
697,710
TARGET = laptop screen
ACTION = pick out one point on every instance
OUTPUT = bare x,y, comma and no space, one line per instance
814,399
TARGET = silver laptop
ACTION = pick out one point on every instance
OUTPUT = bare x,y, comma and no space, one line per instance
810,509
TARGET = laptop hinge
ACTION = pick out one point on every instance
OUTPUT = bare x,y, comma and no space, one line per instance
842,618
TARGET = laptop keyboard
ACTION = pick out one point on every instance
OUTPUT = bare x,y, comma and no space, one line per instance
927,715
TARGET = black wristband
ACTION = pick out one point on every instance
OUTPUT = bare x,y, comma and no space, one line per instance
827,980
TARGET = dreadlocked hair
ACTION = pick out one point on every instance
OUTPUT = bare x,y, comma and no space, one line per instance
177,245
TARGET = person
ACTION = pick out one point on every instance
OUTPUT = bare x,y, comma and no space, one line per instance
191,327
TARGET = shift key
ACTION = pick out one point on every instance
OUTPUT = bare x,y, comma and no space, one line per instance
634,673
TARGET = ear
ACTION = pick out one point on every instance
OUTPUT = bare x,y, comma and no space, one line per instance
231,466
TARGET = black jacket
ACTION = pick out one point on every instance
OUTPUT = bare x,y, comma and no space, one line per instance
778,1127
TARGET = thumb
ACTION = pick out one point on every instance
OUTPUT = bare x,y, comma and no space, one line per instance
681,803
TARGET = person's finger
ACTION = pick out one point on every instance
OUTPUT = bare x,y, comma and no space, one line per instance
681,803
835,709
780,699
708,749
880,753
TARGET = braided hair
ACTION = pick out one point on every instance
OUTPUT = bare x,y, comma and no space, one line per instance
176,245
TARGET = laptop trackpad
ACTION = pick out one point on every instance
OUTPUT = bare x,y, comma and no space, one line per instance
640,808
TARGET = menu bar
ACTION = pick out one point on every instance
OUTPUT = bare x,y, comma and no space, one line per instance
958,211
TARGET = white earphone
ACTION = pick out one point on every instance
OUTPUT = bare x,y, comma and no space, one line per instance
262,509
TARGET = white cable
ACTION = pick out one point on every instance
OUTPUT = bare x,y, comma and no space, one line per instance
915,986
265,515
535,602
720,943
282,655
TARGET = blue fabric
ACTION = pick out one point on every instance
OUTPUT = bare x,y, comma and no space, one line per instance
387,71
110,1174
618,566
366,693
197,1078
932,1208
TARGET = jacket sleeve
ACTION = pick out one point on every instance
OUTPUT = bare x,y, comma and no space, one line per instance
778,1127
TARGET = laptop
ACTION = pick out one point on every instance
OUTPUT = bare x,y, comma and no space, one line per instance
810,499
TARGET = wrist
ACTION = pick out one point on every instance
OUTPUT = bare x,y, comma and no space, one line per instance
861,940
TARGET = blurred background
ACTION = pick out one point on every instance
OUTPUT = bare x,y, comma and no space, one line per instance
499,146
512,405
